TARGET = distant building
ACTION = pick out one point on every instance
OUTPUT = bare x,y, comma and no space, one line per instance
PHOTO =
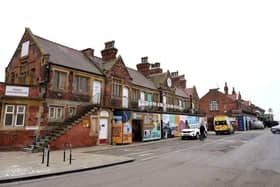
216,103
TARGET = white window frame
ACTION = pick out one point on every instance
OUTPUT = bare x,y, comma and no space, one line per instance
24,49
213,105
15,114
19,112
55,115
6,112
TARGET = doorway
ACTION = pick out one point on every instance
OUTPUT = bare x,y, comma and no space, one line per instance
103,130
137,129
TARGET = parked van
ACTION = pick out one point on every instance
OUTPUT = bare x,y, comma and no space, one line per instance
223,124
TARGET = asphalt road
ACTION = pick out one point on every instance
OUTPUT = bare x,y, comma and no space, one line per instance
244,159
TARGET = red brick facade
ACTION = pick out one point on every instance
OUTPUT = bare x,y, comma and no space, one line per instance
78,136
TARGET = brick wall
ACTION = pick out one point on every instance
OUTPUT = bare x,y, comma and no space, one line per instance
226,104
78,136
25,70
15,139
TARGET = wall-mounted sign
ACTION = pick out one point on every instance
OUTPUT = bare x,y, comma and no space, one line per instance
17,91
104,114
31,127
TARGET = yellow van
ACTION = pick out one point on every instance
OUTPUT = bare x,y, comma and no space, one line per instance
223,124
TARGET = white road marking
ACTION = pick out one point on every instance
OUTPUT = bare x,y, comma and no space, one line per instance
148,158
147,154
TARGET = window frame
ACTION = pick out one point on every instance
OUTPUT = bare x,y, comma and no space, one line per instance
57,83
117,88
15,115
213,105
24,49
78,84
54,116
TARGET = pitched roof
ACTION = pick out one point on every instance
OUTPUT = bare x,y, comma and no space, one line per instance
189,91
158,78
140,80
180,92
233,97
66,56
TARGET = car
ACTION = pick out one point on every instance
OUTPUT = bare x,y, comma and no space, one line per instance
193,133
275,129
256,124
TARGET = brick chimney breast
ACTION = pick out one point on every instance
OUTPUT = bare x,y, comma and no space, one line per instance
144,66
110,52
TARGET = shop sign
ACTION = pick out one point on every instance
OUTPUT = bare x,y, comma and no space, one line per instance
17,91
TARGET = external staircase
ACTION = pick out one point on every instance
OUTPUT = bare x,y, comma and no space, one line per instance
57,129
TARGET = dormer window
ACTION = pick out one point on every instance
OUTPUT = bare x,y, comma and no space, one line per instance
24,49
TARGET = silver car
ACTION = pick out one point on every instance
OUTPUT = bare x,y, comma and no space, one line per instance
275,129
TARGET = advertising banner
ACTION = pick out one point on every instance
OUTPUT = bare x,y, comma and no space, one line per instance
152,128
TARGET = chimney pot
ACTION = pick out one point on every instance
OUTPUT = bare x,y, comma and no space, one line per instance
109,44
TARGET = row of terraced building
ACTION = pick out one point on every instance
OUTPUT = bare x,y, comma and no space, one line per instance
54,94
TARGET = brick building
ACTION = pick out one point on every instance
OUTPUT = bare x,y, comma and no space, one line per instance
54,94
216,103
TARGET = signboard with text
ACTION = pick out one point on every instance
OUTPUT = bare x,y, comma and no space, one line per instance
17,91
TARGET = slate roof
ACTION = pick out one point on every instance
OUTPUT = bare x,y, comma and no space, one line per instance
189,91
140,80
180,92
66,56
158,79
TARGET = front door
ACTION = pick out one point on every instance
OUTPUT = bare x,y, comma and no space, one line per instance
103,130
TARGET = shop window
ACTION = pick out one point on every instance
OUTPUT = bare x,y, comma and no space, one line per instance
59,80
56,113
80,84
14,115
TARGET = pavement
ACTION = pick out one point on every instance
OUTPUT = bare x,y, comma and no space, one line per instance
19,165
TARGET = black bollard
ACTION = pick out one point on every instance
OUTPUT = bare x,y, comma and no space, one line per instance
48,156
70,159
43,156
64,154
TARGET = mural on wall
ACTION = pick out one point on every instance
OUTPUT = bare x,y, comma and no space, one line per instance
151,127
117,130
127,133
122,128
194,122
173,124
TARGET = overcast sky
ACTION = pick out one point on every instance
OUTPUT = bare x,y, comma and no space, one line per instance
210,41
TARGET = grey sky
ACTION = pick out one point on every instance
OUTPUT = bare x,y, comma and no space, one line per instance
211,42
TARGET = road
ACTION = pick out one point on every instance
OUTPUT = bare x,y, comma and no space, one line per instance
244,159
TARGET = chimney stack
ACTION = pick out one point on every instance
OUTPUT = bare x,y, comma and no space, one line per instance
144,66
226,88
233,91
88,52
110,52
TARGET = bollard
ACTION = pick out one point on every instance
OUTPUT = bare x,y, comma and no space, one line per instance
43,156
64,154
70,159
48,155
